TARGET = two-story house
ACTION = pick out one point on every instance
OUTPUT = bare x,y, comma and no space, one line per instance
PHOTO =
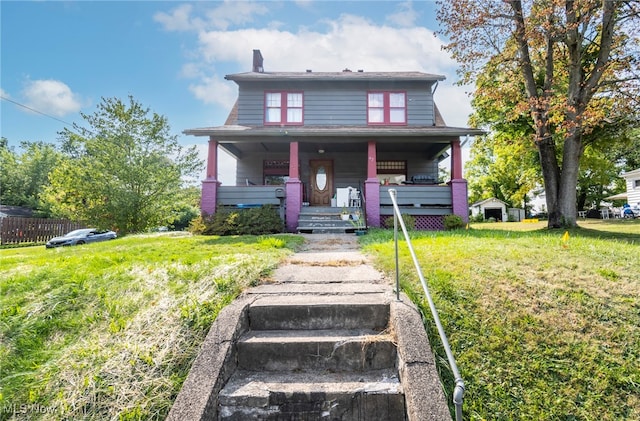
300,138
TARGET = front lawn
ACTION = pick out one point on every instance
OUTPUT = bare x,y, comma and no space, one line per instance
542,327
109,330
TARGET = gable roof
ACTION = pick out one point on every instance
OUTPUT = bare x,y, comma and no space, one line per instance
490,200
631,174
345,75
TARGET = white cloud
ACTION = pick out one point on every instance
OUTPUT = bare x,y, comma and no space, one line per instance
4,93
51,97
179,19
406,16
227,13
215,90
350,42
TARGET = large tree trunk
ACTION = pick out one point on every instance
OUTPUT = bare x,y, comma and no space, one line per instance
551,177
569,180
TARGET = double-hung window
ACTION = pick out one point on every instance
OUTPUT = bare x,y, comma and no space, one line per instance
283,108
387,108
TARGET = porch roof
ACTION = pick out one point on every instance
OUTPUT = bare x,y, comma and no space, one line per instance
247,133
428,141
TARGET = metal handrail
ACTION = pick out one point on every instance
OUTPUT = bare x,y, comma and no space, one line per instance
458,391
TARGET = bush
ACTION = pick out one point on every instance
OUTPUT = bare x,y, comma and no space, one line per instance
253,221
453,222
409,222
477,218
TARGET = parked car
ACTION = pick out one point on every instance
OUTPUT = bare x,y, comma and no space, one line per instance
81,236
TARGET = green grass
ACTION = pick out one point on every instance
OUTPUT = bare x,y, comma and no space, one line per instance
541,327
109,330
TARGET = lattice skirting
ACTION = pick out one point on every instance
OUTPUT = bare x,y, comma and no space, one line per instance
423,222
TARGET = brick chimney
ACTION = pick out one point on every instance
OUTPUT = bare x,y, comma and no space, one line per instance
257,62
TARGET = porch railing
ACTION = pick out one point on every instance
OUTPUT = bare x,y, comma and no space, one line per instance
420,199
458,392
249,195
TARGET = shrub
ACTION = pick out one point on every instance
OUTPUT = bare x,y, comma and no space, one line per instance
453,222
197,225
477,218
253,221
409,222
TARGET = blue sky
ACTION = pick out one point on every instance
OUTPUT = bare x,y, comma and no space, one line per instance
61,58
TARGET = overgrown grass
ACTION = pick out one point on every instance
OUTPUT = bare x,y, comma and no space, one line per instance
109,330
543,328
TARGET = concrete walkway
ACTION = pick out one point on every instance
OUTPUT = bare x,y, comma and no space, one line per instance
329,268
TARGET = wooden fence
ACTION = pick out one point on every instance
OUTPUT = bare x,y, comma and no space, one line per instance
34,230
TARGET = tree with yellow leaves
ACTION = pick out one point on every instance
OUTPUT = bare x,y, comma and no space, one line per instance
568,66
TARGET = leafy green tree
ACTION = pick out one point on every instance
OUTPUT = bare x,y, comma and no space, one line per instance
24,175
186,208
502,167
570,67
126,169
505,164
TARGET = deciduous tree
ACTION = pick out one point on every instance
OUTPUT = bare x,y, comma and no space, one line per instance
575,63
24,174
126,169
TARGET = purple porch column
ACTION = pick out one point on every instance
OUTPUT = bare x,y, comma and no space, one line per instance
293,188
460,199
372,187
459,193
210,184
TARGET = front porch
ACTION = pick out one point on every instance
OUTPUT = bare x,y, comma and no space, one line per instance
310,177
428,204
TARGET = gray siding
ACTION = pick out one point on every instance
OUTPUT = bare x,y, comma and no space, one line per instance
331,104
349,168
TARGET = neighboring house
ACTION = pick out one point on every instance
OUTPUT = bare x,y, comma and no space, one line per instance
298,137
490,208
15,212
632,179
632,195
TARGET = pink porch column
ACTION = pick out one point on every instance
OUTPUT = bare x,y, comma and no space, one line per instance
293,188
210,184
372,187
459,194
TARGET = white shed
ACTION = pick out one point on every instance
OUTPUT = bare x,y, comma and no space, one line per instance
490,208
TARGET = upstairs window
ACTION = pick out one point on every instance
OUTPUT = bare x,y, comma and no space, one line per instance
388,108
283,108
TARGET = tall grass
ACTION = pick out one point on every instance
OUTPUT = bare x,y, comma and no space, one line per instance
109,330
543,326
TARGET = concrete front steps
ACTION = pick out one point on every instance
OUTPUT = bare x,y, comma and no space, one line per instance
324,220
309,357
325,338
